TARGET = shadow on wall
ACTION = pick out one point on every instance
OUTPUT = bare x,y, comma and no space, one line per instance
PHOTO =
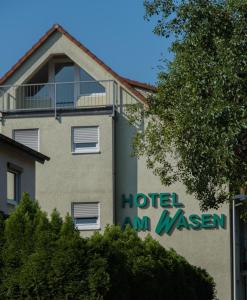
126,167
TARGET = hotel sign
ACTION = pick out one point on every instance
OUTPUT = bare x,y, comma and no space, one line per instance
173,215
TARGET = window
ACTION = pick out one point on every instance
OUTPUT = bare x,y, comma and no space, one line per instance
28,137
85,139
86,215
88,85
37,88
64,73
13,184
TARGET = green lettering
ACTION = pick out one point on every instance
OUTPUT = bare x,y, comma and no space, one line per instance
219,221
136,200
153,197
128,200
141,224
127,221
165,199
196,221
166,223
175,201
207,221
182,222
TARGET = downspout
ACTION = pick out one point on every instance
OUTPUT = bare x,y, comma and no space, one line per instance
234,250
114,117
240,199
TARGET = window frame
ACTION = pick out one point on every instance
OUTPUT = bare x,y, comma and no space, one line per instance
17,171
86,150
51,75
85,227
79,81
27,129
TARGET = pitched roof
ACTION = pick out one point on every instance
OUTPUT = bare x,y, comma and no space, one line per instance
141,85
35,154
129,84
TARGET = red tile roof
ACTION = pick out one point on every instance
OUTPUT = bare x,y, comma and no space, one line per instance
129,84
141,85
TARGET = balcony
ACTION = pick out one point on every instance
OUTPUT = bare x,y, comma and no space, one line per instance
58,96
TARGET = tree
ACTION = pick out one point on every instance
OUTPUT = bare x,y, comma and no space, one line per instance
45,258
196,129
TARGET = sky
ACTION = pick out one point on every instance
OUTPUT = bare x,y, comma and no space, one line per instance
114,30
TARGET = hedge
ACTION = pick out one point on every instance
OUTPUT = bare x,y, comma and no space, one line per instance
45,258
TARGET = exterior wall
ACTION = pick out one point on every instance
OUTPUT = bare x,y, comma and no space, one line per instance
58,44
89,177
71,177
209,249
22,160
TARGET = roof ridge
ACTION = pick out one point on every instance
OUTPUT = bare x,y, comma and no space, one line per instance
59,28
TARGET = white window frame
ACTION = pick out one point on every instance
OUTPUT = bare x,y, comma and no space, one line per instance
81,227
27,129
86,150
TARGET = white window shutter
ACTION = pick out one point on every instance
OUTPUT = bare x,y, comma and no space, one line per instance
86,210
28,137
86,135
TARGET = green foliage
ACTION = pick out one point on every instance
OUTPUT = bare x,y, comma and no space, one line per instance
45,258
196,129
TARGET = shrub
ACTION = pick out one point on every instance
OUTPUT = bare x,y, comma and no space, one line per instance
42,258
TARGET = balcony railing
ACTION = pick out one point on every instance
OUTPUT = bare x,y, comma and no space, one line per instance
59,95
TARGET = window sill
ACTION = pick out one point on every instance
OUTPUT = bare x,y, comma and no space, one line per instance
86,152
12,202
87,228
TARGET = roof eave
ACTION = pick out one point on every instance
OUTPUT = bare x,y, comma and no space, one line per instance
35,154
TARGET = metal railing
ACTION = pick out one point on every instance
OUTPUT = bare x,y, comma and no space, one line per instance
59,95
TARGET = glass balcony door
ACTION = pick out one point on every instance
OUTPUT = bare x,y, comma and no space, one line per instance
63,74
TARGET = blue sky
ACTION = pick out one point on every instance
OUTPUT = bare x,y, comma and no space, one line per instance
114,30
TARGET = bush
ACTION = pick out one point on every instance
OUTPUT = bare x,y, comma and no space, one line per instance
43,258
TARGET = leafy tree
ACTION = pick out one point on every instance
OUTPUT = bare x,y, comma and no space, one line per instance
19,244
196,129
143,269
45,258
69,265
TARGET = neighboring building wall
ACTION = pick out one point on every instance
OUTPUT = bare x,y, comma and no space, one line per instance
22,160
71,177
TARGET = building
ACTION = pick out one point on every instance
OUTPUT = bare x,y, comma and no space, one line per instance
61,99
17,172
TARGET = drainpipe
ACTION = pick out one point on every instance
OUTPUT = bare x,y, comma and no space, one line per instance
239,198
234,250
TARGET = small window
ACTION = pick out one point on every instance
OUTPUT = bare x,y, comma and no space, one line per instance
27,137
13,187
88,85
85,139
86,215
